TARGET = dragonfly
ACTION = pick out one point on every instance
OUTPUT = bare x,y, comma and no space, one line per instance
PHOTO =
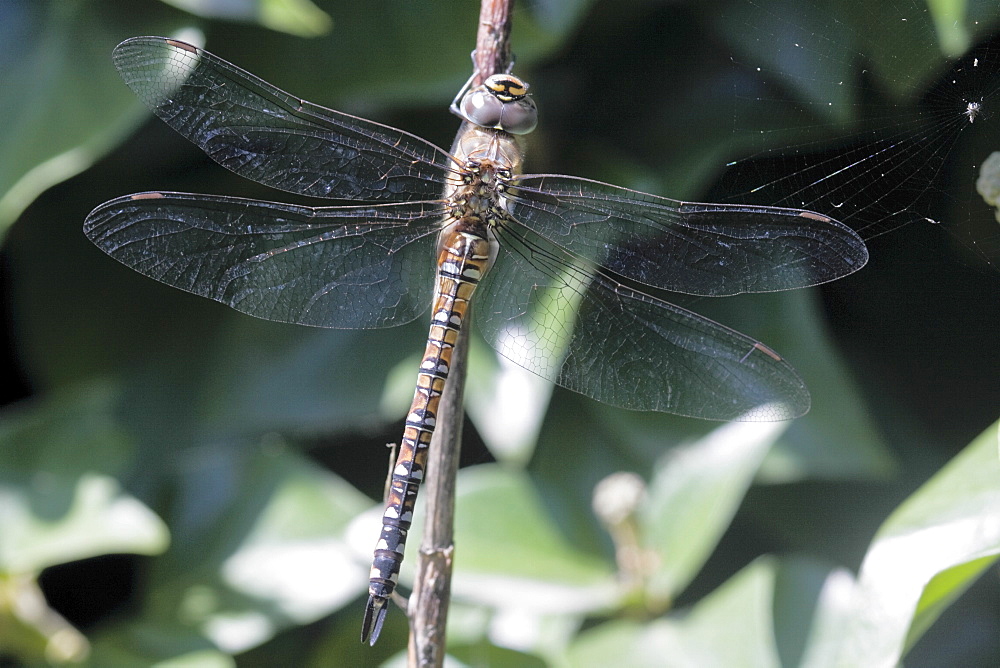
566,271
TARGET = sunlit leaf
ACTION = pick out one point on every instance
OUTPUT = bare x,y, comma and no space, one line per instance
162,645
928,551
57,504
730,628
988,183
809,596
100,519
495,657
516,560
61,100
693,496
520,557
505,402
31,630
950,24
297,17
273,556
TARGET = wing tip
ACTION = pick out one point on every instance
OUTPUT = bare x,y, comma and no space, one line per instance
176,43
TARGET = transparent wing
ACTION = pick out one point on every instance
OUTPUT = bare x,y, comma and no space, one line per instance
698,249
345,267
264,134
573,324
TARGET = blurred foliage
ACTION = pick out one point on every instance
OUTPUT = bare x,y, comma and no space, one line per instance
298,17
239,462
988,183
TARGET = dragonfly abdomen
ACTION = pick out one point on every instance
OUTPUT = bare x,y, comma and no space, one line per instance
462,262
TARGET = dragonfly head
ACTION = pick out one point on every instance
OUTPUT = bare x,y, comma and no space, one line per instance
501,103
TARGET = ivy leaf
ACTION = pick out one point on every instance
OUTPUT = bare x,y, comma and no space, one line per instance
929,551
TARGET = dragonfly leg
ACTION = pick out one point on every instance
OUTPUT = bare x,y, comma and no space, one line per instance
453,107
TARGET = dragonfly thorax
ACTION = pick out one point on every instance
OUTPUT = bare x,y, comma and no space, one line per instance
481,196
489,159
488,151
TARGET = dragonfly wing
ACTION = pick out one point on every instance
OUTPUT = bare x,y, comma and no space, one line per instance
344,267
577,326
698,249
264,134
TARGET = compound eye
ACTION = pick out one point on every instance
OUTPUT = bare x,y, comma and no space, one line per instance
481,107
519,117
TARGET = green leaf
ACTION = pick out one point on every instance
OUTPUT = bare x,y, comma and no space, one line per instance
807,593
263,376
505,402
295,556
99,519
296,17
57,503
32,631
950,23
693,496
62,102
510,552
730,628
988,183
272,555
837,439
161,645
208,658
495,657
943,590
929,550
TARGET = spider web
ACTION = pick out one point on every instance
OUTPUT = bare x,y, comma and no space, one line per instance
877,114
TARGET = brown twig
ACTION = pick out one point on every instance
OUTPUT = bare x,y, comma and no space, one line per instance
428,605
493,38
